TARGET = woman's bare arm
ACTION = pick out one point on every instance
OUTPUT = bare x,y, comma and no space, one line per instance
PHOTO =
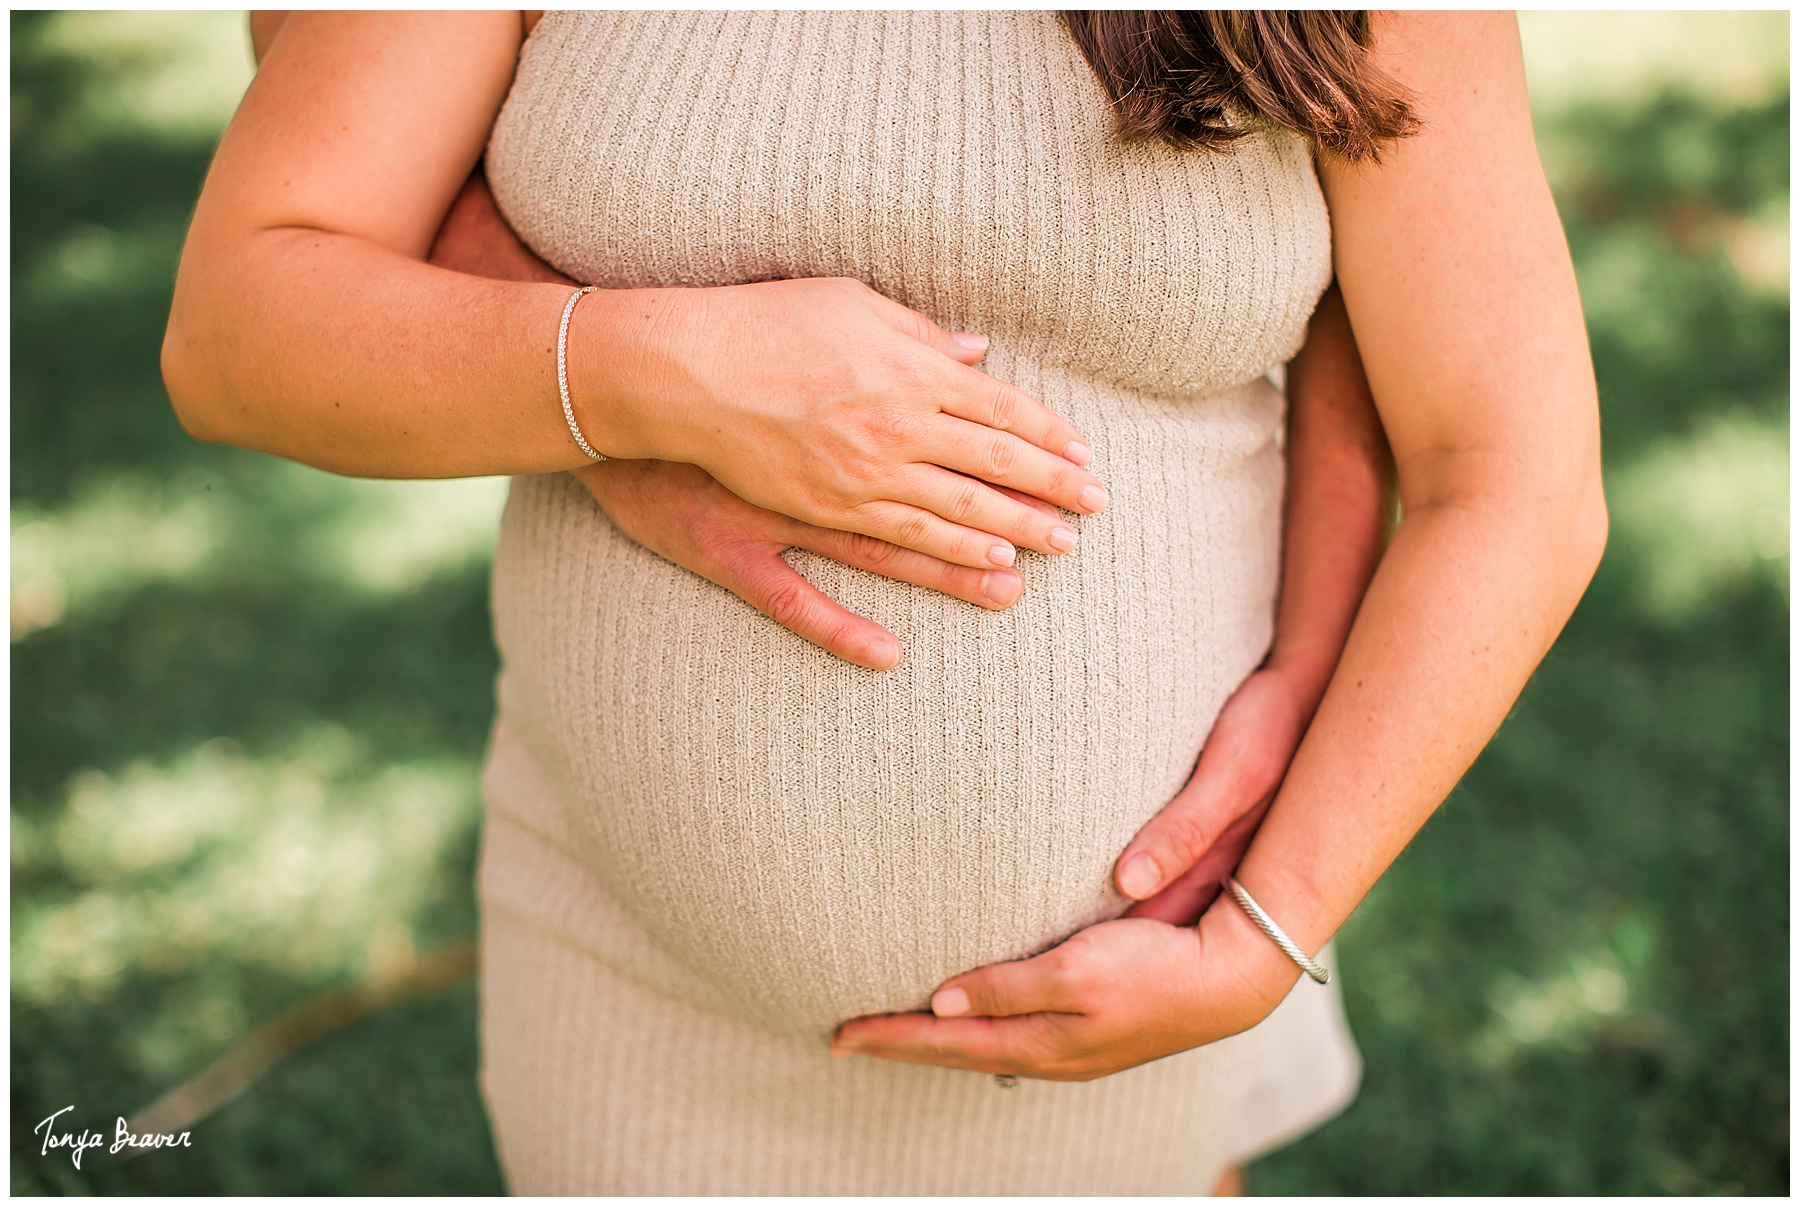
1459,286
306,323
680,511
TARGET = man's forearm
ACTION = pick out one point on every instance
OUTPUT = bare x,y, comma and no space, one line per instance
1339,493
475,239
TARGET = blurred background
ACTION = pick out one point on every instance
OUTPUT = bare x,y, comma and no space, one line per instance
249,701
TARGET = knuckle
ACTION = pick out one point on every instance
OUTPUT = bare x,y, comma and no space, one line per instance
910,374
836,635
893,426
1003,408
1184,833
1057,480
785,603
1042,1047
912,530
871,552
1067,965
714,548
962,581
920,327
964,500
1002,455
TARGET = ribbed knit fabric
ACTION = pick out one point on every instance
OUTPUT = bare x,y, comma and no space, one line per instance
710,842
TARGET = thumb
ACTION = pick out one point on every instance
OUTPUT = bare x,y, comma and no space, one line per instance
1244,760
1223,790
1000,990
967,346
1169,845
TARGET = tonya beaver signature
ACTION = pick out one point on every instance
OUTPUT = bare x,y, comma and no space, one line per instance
80,1142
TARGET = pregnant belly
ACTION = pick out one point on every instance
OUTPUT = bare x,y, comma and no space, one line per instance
816,841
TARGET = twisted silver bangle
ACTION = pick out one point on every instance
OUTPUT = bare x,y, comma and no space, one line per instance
1266,924
562,371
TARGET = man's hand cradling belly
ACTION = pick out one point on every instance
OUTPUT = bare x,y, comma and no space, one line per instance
682,513
1112,997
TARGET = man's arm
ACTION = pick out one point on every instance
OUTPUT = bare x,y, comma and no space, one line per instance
1339,495
475,239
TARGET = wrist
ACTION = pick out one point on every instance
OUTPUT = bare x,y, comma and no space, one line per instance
1251,973
627,384
1304,672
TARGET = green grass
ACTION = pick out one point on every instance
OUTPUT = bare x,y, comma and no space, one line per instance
249,701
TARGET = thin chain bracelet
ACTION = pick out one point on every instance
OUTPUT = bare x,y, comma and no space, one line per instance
1266,924
562,371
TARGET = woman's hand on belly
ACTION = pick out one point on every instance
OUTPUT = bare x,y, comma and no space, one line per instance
823,400
1113,996
682,513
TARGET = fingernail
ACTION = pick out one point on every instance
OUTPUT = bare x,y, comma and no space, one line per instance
948,1003
885,655
1139,877
1062,539
1093,498
1002,555
969,340
1078,452
1001,588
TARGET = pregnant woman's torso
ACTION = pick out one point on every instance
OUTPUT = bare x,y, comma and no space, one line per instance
796,840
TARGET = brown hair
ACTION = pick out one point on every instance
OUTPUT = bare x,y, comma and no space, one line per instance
1178,74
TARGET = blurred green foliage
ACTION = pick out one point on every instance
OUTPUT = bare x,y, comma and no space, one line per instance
249,702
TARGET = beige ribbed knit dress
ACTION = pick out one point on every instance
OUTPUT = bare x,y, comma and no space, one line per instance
710,842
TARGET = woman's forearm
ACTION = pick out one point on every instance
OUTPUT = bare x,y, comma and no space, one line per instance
304,320
306,323
365,361
1466,602
1456,275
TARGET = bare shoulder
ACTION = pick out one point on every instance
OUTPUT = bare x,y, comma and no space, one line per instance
1432,52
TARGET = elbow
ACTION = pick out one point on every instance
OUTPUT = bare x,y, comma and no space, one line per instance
191,390
1577,532
1588,534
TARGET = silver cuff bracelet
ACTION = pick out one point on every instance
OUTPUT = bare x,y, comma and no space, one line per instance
1266,924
